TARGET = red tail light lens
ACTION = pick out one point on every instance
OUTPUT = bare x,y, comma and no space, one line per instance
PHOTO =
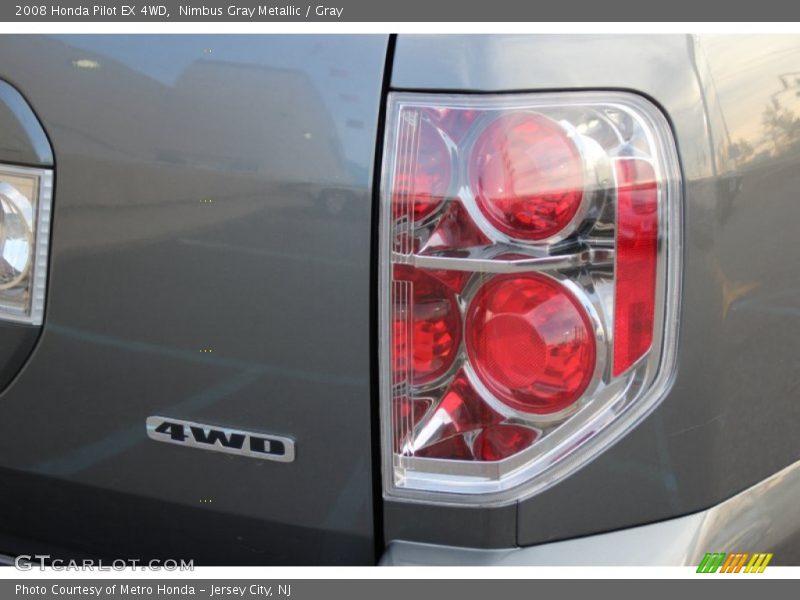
497,442
423,170
531,343
426,331
637,255
527,174
529,289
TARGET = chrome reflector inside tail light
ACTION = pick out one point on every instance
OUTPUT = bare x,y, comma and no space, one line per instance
530,264
25,197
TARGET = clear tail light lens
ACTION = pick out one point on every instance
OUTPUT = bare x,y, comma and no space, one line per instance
25,196
530,263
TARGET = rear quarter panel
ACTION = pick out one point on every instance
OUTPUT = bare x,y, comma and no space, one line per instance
211,262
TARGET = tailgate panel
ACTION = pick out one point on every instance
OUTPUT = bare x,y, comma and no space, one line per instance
212,193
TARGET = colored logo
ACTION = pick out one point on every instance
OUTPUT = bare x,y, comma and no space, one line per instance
736,562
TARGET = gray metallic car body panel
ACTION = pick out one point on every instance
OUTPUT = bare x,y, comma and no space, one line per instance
214,193
731,416
763,516
22,139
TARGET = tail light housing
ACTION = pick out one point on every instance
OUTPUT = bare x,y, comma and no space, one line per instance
25,198
530,272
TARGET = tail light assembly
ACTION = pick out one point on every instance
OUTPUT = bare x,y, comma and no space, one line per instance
530,252
25,198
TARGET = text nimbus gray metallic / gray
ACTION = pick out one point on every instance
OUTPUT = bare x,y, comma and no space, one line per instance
264,10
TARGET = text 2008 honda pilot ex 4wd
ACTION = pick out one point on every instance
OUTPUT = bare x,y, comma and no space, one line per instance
408,300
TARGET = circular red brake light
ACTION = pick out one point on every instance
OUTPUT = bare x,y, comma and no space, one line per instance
530,342
423,172
527,176
434,326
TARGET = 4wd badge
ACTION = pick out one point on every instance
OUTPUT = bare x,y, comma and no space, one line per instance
220,439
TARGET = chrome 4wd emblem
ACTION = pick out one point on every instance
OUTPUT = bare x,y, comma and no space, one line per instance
220,439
